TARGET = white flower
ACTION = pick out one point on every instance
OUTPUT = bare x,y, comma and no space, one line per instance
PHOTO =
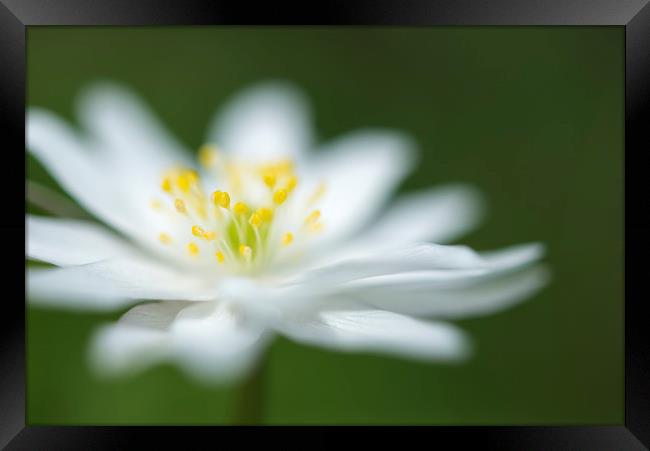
263,237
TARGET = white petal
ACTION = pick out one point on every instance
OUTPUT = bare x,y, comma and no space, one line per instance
78,170
268,121
423,295
137,341
128,131
359,172
207,340
115,182
217,342
423,280
66,242
113,283
416,257
440,215
378,331
72,289
496,263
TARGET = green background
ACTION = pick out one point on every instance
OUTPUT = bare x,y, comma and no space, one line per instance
533,116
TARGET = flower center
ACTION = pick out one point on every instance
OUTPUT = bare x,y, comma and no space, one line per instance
246,218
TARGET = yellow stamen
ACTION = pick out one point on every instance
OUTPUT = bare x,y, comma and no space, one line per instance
191,175
193,249
245,251
291,183
210,235
269,179
240,208
313,217
183,182
166,185
197,231
208,155
280,196
164,238
221,199
266,214
287,238
255,220
180,206
156,204
220,257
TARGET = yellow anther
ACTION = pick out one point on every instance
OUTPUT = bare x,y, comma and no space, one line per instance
197,231
208,155
164,238
255,220
287,238
193,249
210,235
156,204
266,214
269,179
180,206
183,182
291,183
240,208
313,217
220,257
221,199
224,202
245,251
166,185
280,196
191,175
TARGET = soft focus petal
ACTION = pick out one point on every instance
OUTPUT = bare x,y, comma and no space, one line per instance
440,215
358,172
76,168
209,341
214,341
268,121
66,242
128,131
375,262
137,341
72,289
113,283
417,279
426,280
123,138
475,297
131,142
502,282
378,331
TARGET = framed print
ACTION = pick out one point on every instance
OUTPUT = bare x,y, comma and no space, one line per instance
392,213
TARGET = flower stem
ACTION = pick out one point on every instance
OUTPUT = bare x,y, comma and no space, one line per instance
249,407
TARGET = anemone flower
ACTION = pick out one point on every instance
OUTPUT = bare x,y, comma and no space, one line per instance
265,234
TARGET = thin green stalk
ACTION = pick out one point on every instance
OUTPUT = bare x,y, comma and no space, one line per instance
249,406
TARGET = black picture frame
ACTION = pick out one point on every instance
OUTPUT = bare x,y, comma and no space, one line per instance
633,15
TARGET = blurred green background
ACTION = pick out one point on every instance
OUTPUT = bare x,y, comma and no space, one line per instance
533,116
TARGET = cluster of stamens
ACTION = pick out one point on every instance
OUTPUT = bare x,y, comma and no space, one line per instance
222,223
